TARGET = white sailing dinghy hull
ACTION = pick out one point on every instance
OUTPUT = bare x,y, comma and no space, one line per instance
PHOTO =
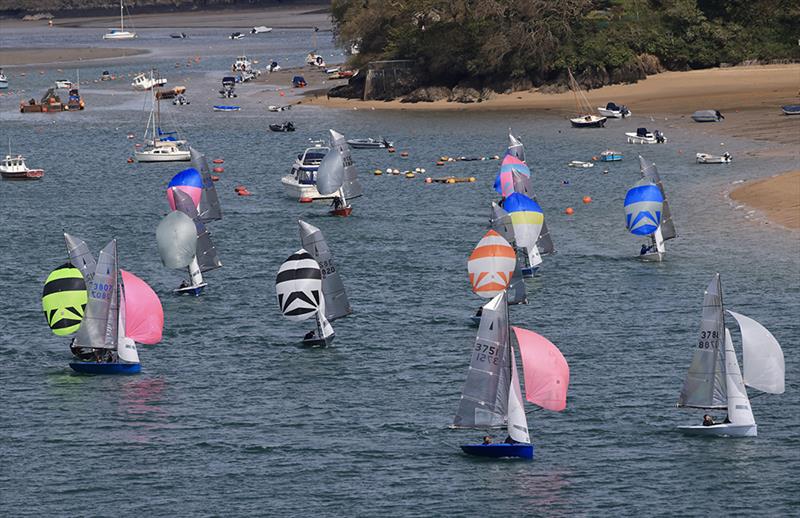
720,430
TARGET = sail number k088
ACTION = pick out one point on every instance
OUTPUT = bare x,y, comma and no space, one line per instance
708,340
486,353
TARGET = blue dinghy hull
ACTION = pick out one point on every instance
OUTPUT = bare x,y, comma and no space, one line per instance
106,368
499,450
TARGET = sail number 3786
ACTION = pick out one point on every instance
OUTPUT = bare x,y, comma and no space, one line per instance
708,340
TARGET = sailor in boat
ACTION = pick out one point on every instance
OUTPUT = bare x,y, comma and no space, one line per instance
82,353
708,420
310,335
337,204
510,440
487,439
645,248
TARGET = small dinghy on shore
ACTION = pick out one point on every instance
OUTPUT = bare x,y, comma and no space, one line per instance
220,108
705,158
370,143
642,136
707,116
614,111
714,381
791,109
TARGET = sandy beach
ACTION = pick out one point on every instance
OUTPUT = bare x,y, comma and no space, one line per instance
61,56
777,197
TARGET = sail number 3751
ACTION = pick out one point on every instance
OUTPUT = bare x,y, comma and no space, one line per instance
486,353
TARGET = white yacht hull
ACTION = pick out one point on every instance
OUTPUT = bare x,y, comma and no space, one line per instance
124,35
704,158
721,430
635,139
175,156
296,190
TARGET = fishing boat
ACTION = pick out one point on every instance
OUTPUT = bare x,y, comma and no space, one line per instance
301,182
614,111
13,167
655,249
146,82
580,164
260,29
221,108
705,158
642,136
611,156
789,109
116,315
369,143
714,381
283,127
515,176
707,116
121,33
337,304
337,176
49,103
299,290
584,118
492,397
3,80
158,145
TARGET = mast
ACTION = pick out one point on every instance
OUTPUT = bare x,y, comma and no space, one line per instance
121,17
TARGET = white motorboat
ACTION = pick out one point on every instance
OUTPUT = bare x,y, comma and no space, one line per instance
614,111
705,158
301,182
163,152
642,136
3,80
242,64
236,36
274,108
64,83
369,143
579,163
260,29
13,167
144,82
121,33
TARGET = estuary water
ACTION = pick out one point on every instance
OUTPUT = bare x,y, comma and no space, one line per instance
232,416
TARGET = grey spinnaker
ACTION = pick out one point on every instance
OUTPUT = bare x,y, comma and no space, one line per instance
209,207
80,256
484,399
500,221
330,175
177,240
336,303
206,252
351,186
99,327
705,385
650,172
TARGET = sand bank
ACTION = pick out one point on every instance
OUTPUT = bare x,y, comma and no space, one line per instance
33,56
777,197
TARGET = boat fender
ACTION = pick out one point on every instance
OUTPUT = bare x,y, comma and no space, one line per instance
440,163
569,211
218,170
306,200
587,199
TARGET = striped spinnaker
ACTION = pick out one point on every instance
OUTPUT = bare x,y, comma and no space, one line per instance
299,286
491,265
64,299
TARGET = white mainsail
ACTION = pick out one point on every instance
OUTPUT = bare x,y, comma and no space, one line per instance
517,422
739,411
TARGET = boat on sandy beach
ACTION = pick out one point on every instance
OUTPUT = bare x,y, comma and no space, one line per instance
178,35
121,33
714,380
642,136
301,182
260,29
788,109
13,167
614,111
584,118
236,36
705,158
707,116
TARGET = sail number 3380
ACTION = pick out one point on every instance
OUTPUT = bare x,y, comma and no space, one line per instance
708,340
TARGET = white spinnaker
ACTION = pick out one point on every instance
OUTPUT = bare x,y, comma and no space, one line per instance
739,411
517,422
762,357
658,239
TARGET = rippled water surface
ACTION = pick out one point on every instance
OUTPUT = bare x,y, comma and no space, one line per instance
232,416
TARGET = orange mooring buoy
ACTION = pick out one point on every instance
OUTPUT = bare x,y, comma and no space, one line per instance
130,160
214,178
569,211
218,161
390,149
587,199
219,170
404,154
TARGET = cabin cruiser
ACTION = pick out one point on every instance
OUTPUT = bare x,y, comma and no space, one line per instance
144,82
369,143
301,182
642,136
612,110
14,168
163,151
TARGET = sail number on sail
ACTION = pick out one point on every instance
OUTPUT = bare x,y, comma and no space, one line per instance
100,290
708,339
482,356
327,267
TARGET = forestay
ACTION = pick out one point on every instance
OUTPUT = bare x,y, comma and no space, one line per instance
705,385
100,321
762,357
336,303
299,286
484,399
667,224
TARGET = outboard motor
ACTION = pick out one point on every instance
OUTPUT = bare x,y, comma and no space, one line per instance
659,136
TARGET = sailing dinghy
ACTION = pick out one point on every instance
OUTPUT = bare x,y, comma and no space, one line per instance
656,250
299,290
714,380
114,317
492,397
209,208
337,176
176,236
336,303
584,118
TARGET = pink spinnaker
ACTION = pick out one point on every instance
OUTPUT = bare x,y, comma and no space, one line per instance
546,370
144,316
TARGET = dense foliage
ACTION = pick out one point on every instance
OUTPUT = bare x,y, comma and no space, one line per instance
536,40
